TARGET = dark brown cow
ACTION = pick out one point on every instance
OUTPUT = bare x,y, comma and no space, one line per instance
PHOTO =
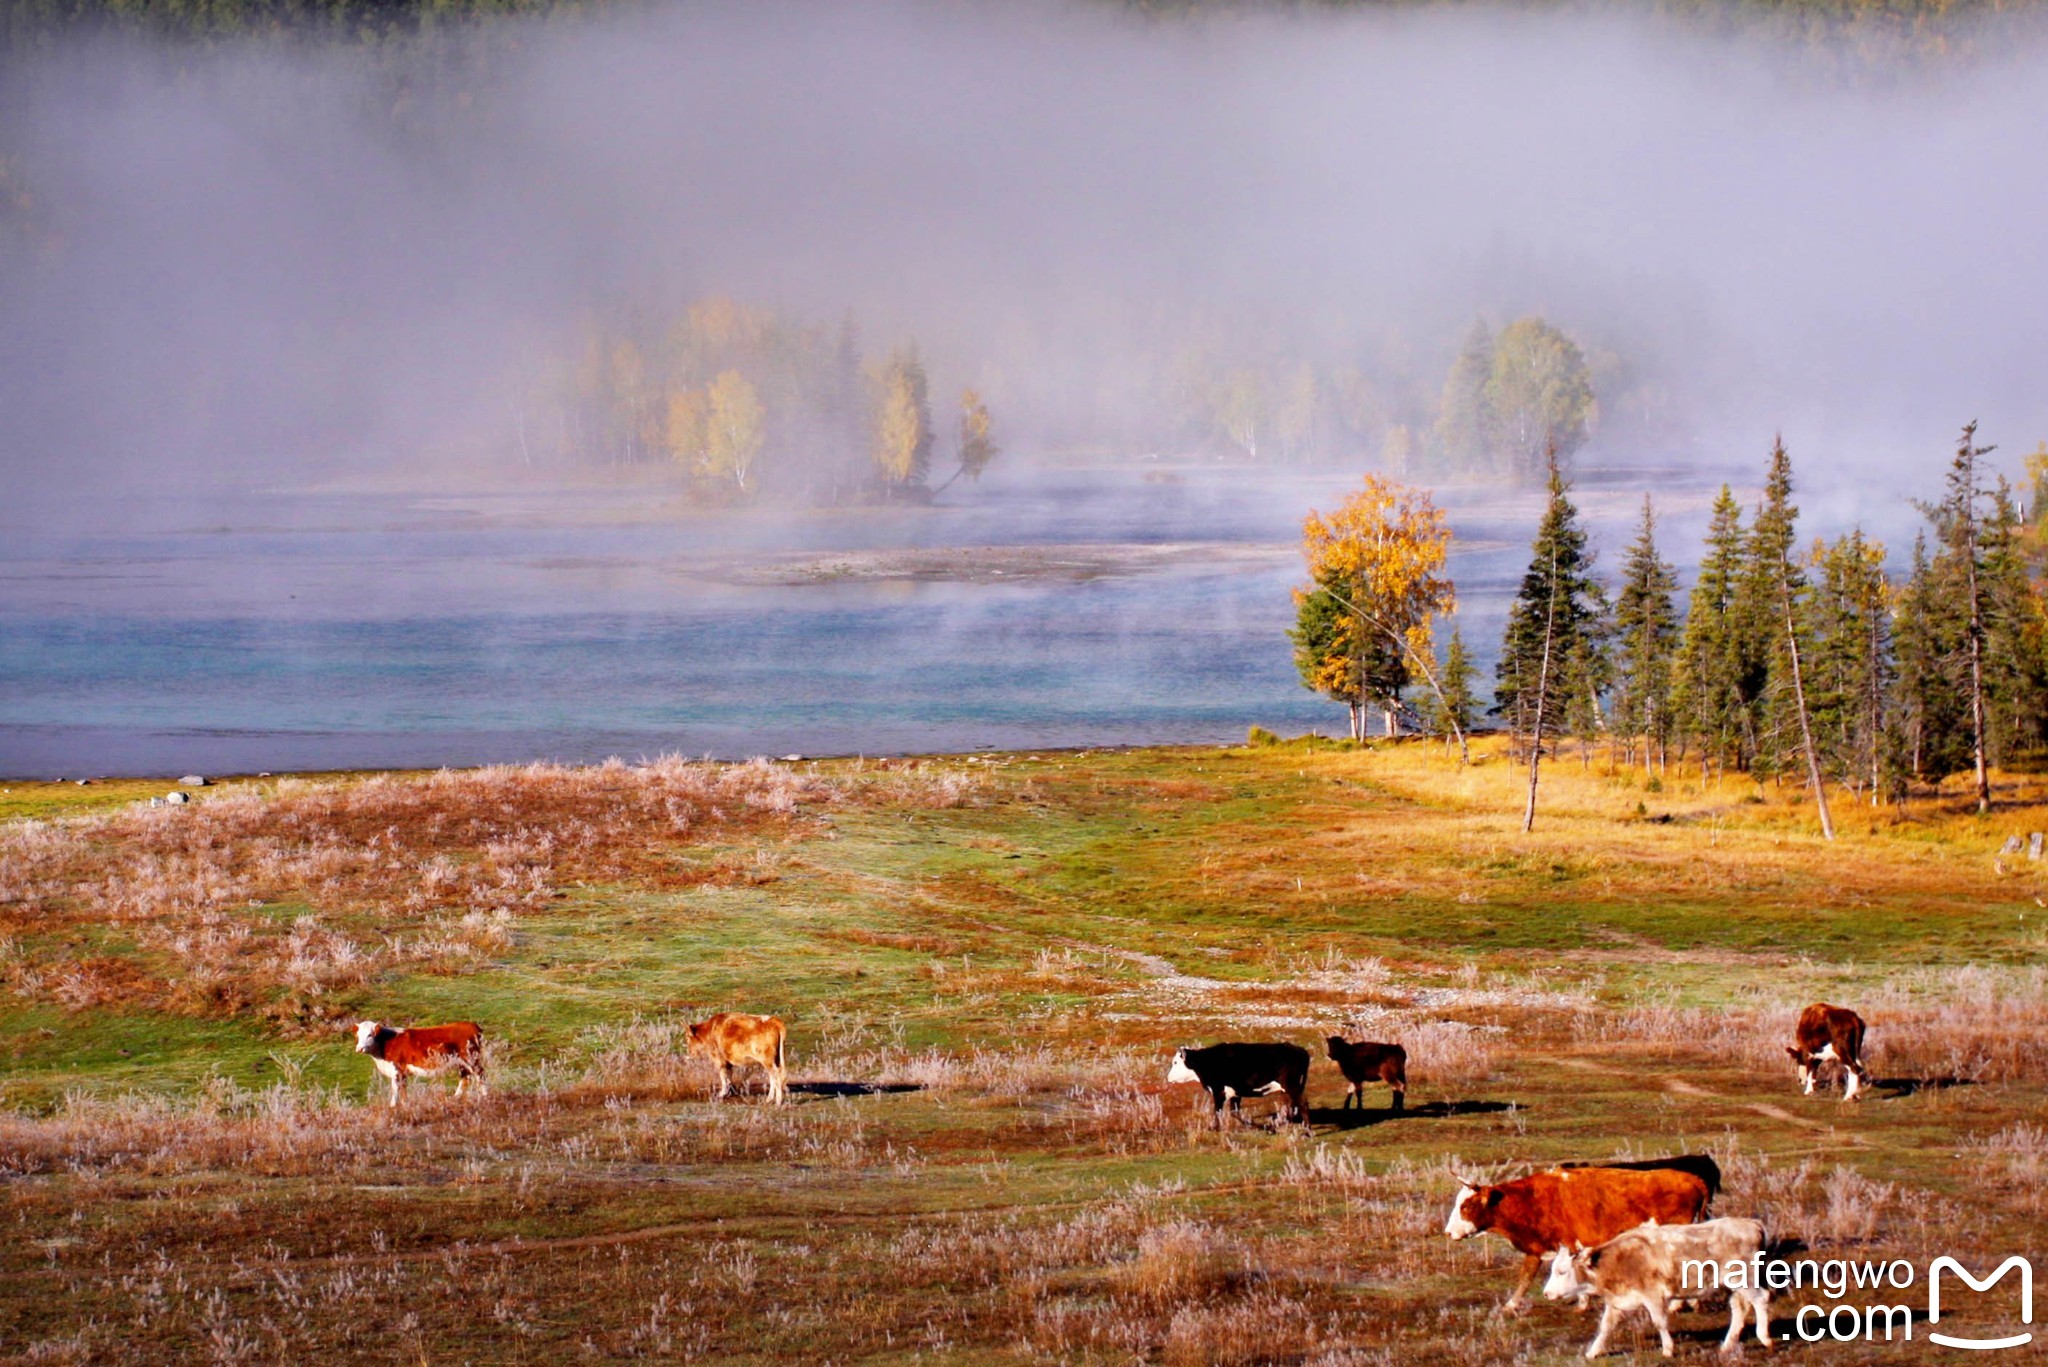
730,1039
422,1052
1830,1034
1368,1062
1573,1208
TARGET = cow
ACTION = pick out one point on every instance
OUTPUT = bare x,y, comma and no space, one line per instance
422,1052
1231,1072
1700,1165
731,1040
1572,1208
1649,1267
1830,1034
1368,1062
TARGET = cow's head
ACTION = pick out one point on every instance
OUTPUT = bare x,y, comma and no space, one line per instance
1179,1071
1339,1046
366,1035
1472,1211
699,1038
1570,1276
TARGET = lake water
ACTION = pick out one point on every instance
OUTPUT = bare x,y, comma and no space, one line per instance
316,631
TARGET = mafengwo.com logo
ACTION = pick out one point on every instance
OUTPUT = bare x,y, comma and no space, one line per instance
1947,1264
1866,1306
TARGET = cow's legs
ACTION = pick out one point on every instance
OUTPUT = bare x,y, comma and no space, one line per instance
1760,1311
776,1086
1609,1317
1400,1096
1516,1305
397,1087
1852,1083
1736,1300
1660,1315
724,1081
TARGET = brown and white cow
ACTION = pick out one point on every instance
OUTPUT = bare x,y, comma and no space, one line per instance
1573,1208
730,1039
1830,1034
423,1052
1649,1267
1365,1062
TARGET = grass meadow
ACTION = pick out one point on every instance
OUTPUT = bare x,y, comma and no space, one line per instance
985,963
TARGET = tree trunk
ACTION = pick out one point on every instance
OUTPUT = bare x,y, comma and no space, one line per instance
1542,695
1820,791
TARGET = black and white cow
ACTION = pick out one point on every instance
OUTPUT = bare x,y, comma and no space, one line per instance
1231,1072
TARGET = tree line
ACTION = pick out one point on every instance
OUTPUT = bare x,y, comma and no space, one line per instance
747,404
1821,665
1507,400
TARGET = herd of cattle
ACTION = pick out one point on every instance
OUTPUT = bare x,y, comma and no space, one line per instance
1622,1231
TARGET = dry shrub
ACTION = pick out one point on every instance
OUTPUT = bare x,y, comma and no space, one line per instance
277,1130
1328,1167
1262,1327
1448,1053
1975,1023
1180,1261
1854,1204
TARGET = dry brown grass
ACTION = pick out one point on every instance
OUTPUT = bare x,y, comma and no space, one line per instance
1970,1024
431,872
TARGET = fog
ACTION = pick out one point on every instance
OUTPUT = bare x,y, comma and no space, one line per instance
277,262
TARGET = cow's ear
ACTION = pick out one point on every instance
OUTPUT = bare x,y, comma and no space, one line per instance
1492,1197
1793,1050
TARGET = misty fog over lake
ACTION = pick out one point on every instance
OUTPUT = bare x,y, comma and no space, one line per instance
356,630
273,316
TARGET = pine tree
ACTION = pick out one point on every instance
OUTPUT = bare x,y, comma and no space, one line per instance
1552,631
1646,639
1959,567
1770,645
1853,671
1930,717
1704,699
1455,710
2015,662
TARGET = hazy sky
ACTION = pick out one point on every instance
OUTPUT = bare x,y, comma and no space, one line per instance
271,261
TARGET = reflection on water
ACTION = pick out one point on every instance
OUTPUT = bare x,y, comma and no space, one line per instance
278,633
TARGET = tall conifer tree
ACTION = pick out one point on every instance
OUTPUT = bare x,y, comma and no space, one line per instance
1553,631
1646,639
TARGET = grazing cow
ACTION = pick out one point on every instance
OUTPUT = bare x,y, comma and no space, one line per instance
1647,1268
1700,1165
1573,1208
1231,1072
422,1052
730,1039
1368,1062
1830,1034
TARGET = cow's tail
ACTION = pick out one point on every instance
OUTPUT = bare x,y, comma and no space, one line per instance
476,1054
780,1036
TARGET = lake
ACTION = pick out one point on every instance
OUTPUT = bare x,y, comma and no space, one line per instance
326,630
